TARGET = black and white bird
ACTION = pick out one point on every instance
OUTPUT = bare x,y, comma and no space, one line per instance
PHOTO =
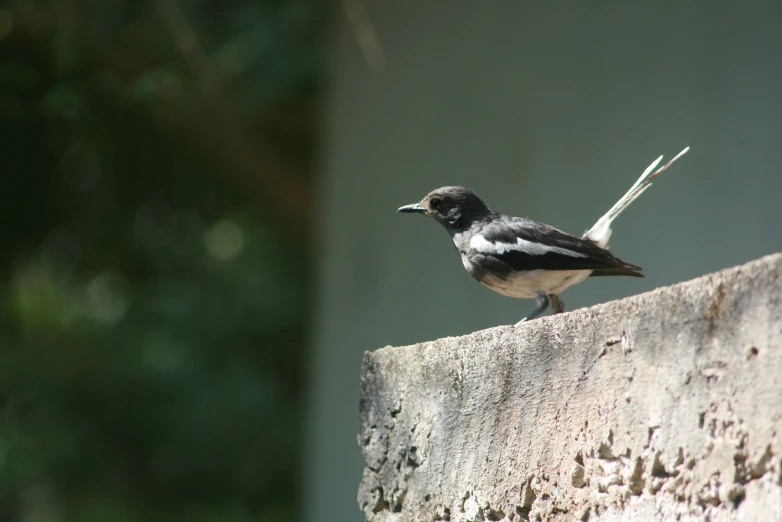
519,257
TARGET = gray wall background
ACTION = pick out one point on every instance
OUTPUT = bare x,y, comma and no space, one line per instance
547,110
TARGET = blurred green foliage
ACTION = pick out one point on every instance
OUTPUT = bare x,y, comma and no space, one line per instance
156,161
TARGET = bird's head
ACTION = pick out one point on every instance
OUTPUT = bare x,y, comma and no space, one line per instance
453,207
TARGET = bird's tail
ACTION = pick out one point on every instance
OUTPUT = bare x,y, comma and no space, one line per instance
600,232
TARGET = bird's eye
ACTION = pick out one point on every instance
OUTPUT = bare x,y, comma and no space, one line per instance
434,203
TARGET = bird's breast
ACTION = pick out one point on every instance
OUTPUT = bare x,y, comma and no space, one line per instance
468,265
523,284
528,283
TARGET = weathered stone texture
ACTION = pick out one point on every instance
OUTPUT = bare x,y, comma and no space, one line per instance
662,406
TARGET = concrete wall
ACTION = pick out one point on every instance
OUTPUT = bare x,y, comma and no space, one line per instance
548,110
663,406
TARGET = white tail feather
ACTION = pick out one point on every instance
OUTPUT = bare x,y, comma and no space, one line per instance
600,232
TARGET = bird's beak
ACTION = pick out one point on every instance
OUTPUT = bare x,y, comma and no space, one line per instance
415,207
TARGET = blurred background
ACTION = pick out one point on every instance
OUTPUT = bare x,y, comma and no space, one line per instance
197,206
156,215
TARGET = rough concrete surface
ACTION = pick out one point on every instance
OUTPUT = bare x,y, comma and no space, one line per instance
662,406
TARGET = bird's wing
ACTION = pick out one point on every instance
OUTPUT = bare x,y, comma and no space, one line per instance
523,244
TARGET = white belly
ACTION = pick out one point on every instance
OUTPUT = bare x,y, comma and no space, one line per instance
526,285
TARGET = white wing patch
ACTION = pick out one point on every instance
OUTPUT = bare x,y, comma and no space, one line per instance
481,244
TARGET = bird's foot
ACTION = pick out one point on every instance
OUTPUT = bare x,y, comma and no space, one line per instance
542,300
557,306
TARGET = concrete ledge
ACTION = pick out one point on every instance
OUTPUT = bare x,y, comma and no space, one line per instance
662,406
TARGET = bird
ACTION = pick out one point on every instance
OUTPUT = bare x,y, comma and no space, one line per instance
523,258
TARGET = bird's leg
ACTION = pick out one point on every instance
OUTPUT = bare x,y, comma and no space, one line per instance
541,299
557,305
